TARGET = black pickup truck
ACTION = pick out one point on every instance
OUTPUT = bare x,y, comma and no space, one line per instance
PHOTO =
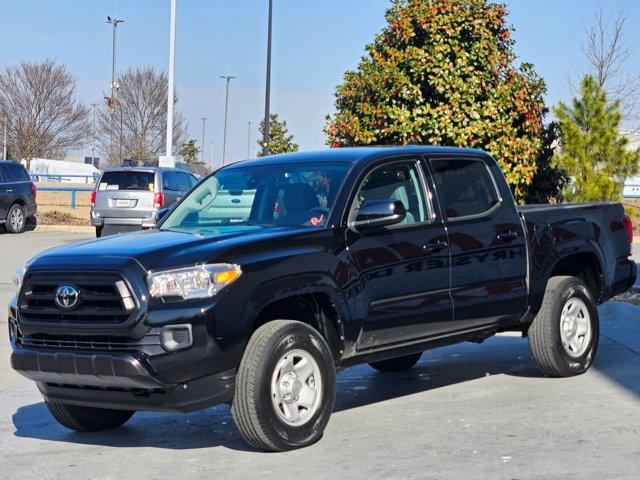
270,275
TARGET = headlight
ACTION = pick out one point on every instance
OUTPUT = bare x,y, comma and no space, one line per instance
18,276
201,281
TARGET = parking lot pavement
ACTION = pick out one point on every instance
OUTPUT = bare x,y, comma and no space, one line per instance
466,411
15,251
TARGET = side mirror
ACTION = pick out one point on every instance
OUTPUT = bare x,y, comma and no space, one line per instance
160,214
379,213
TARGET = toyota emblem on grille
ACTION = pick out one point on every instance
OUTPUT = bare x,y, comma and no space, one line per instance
66,296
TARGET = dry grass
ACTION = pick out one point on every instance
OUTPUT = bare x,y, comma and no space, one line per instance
54,208
57,217
63,199
633,208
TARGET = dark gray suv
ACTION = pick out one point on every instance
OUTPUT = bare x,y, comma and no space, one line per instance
128,198
17,197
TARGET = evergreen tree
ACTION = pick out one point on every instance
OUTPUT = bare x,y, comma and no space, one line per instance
549,180
592,150
280,141
189,152
442,73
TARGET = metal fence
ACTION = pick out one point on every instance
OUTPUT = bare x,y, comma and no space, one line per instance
57,177
631,190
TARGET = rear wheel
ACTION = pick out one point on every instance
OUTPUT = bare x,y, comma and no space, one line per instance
87,419
16,219
98,232
285,387
564,335
398,364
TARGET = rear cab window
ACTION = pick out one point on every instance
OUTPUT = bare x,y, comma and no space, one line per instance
13,172
127,180
465,187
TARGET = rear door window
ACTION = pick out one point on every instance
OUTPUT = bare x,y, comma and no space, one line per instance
183,181
169,181
127,180
465,187
14,172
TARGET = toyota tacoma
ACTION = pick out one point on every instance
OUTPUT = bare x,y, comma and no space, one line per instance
271,275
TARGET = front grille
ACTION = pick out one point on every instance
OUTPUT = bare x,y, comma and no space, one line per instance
100,300
149,344
74,342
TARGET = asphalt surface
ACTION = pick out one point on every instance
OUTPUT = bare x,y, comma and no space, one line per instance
466,411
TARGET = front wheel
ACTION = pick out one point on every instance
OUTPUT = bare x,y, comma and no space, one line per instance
285,387
87,419
564,335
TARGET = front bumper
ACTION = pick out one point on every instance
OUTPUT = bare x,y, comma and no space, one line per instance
121,381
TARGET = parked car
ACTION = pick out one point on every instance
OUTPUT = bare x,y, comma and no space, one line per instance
347,256
130,197
17,197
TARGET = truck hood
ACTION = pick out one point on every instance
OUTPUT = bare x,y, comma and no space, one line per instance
155,249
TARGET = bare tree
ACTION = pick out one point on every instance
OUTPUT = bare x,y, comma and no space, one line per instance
133,125
608,54
38,106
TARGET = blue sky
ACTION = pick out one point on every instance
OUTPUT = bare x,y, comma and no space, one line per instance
315,42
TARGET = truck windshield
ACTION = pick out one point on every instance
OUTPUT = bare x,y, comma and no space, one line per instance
296,194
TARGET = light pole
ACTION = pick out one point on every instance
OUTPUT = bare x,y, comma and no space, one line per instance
228,78
172,60
4,148
249,140
204,120
93,136
211,143
114,50
267,96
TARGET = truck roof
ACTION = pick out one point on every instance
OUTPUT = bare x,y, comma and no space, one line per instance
353,154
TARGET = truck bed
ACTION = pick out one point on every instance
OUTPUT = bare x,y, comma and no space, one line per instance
594,228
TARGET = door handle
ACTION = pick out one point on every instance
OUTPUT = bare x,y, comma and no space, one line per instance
434,246
9,190
509,236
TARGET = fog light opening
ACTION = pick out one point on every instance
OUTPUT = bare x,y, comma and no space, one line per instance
176,337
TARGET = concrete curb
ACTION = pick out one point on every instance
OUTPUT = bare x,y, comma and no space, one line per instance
65,228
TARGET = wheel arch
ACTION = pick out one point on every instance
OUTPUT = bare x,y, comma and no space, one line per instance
584,263
318,307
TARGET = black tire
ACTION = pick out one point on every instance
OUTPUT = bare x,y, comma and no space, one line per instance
16,220
87,419
398,364
253,410
544,334
32,223
98,232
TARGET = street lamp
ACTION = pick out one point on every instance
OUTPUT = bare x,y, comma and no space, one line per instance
228,78
111,102
267,97
211,143
93,136
204,120
168,159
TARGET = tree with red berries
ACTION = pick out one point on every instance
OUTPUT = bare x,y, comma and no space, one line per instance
442,72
